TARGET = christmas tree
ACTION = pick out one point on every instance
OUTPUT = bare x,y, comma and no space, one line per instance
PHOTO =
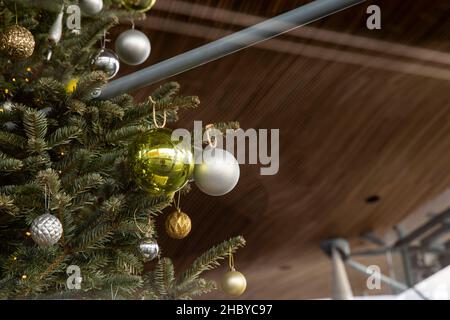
65,165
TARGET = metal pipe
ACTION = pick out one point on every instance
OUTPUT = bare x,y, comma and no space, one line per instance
372,252
389,281
363,269
391,269
406,257
340,286
434,237
432,223
224,46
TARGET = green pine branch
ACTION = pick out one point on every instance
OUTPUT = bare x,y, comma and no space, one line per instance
210,259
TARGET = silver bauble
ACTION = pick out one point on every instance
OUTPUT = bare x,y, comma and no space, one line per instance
47,110
10,126
55,33
133,47
149,248
106,60
218,172
46,230
91,7
6,106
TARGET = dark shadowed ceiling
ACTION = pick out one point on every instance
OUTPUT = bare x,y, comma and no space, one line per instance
361,113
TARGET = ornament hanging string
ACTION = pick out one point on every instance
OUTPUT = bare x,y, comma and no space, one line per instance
15,12
104,40
212,144
231,260
155,122
114,295
149,225
46,202
177,206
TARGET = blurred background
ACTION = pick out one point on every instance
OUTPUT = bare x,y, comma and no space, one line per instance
364,119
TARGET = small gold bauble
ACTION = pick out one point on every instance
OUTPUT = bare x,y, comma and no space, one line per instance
17,42
71,85
178,225
234,283
138,5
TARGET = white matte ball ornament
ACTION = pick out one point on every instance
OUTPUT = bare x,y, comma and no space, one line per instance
218,173
46,230
133,47
91,7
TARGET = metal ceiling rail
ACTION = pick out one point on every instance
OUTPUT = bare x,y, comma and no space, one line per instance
420,231
217,49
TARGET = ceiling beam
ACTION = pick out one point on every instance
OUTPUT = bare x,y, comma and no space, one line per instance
240,19
217,49
388,63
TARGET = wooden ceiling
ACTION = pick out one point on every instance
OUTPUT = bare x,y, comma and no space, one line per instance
360,113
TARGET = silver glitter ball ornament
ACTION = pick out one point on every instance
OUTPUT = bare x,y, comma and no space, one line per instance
10,126
46,230
217,173
6,106
149,248
133,47
106,60
91,7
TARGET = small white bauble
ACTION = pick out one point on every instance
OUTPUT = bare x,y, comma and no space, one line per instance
46,230
218,173
91,7
133,47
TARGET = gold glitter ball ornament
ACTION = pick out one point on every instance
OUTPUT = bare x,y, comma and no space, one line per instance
17,42
178,225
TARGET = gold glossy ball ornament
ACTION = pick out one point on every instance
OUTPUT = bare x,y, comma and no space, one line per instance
158,164
234,283
178,225
17,42
138,5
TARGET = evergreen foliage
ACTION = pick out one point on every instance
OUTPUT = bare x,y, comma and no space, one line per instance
74,148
